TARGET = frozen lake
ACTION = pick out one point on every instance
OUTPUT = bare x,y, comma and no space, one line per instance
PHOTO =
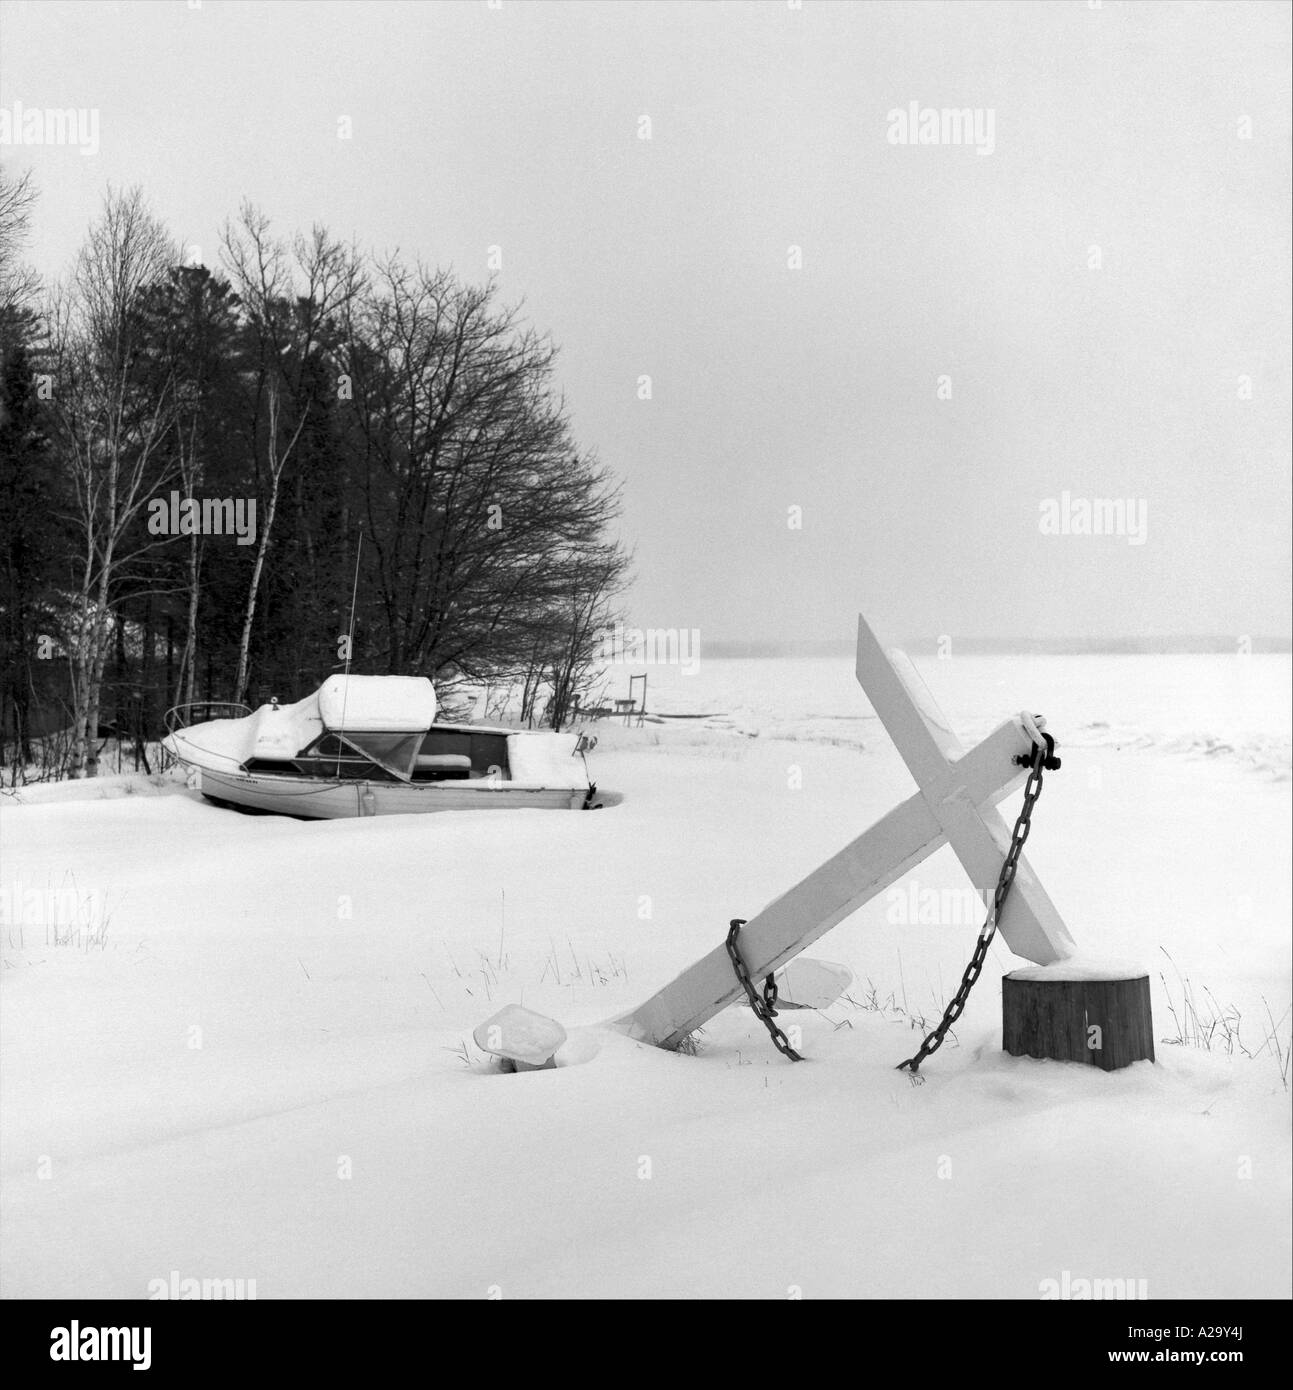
262,1067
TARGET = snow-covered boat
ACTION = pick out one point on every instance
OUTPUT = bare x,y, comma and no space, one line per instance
370,746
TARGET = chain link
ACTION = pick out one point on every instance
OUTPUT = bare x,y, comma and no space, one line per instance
1043,756
765,1006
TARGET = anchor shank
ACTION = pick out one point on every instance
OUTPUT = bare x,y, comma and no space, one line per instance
793,921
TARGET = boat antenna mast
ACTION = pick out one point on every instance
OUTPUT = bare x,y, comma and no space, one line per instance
350,643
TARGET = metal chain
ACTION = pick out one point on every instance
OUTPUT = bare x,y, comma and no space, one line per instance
1042,756
765,1007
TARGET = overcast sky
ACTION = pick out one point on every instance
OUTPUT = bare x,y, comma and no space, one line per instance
952,352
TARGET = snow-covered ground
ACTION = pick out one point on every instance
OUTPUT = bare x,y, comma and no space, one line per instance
255,1061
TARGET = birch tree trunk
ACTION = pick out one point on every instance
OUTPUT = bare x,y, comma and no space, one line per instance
277,462
98,660
191,478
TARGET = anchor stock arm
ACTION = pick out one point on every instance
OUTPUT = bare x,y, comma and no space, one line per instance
907,710
1030,924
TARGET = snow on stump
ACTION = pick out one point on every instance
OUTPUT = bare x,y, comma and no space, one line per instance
1075,1012
526,1040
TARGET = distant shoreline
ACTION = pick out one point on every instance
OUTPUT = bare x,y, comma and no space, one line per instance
1015,646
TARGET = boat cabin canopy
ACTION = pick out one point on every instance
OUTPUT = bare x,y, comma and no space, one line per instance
377,704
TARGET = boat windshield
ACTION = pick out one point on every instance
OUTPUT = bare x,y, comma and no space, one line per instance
360,755
394,752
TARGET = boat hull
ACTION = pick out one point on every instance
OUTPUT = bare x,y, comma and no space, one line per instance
309,798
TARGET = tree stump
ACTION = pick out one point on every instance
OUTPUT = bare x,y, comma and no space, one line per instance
1071,1012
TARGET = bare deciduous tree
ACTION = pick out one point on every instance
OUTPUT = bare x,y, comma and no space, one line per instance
293,300
480,507
111,430
19,283
594,582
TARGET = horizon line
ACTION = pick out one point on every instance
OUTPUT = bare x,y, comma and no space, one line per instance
1203,644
